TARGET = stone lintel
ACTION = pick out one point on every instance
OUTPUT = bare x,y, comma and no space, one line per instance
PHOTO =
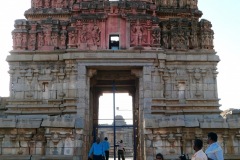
29,123
61,122
7,123
99,56
17,58
34,106
51,57
193,58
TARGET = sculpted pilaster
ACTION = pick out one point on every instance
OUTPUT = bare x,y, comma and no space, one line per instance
1,139
197,77
203,74
190,80
215,73
172,82
11,72
166,77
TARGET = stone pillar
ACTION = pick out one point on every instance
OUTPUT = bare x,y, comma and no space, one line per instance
203,73
11,72
165,79
215,82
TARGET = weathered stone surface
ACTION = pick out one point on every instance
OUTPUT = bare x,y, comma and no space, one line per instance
57,121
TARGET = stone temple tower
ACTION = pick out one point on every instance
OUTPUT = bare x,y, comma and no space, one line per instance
66,53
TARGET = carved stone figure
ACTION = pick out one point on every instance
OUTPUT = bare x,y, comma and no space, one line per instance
46,3
194,4
40,40
54,38
95,35
137,33
165,41
59,4
37,3
24,41
14,40
156,36
71,36
32,41
193,41
164,3
83,34
63,40
47,39
18,39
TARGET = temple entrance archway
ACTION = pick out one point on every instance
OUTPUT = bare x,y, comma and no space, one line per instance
115,81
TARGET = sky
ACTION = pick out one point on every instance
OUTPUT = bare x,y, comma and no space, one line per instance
223,14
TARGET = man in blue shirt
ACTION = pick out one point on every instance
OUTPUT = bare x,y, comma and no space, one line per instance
97,150
214,150
106,147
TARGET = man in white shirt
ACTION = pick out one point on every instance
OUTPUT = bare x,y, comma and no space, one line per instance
199,154
214,150
121,150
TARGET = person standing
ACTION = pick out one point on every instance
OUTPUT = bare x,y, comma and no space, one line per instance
97,150
214,150
106,147
199,155
121,150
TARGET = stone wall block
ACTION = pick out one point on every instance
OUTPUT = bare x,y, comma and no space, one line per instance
213,123
150,123
61,122
7,123
181,57
29,123
79,123
191,122
17,58
213,58
171,57
21,87
46,57
233,122
148,93
147,78
147,85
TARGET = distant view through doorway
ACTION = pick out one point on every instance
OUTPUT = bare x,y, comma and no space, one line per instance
123,111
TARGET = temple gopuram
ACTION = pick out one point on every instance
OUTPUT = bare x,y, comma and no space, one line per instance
67,53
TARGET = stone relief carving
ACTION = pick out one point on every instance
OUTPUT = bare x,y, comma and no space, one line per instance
137,34
37,3
156,36
177,34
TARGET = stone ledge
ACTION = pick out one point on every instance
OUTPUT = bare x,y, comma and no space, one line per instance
15,157
49,157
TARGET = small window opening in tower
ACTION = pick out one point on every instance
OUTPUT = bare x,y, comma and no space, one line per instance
123,109
114,42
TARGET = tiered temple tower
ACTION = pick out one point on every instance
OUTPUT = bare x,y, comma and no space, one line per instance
66,53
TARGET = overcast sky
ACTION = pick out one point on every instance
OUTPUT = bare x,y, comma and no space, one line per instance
224,15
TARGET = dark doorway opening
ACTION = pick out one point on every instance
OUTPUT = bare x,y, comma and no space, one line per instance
114,42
